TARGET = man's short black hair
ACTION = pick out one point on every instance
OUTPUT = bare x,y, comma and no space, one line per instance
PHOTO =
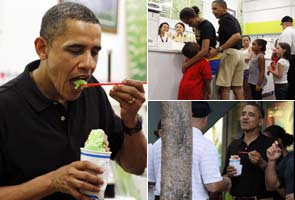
190,49
54,20
259,108
221,2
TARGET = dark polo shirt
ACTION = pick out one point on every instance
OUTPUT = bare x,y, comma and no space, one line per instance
229,25
38,135
251,182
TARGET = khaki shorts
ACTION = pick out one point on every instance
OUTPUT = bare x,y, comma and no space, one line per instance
231,68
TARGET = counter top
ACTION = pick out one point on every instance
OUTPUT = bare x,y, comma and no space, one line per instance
162,49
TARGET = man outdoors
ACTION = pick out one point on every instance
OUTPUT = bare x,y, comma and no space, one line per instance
205,170
44,120
206,175
154,170
281,175
230,72
288,36
251,149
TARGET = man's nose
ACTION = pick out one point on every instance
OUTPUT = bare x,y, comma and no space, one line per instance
87,61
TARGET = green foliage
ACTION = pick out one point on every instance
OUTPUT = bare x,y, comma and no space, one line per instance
136,15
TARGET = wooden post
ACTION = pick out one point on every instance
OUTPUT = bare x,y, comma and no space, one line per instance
176,180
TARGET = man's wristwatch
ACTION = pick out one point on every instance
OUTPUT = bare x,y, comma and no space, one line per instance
220,49
136,129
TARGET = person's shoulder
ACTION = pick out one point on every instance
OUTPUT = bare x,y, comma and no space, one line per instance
207,25
6,90
235,142
158,142
290,155
283,61
205,142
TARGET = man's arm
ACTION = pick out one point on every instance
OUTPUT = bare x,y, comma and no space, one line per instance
228,44
231,41
133,152
31,190
132,155
221,186
67,179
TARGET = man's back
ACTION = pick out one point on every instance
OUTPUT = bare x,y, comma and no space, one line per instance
205,167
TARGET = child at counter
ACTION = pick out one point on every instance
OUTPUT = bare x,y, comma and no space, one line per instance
196,80
281,70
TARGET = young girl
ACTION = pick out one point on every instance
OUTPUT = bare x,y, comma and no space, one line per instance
281,70
248,54
257,79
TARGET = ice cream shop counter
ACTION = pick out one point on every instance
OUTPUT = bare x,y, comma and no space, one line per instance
164,73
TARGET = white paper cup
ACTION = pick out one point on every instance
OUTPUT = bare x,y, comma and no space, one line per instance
236,164
101,159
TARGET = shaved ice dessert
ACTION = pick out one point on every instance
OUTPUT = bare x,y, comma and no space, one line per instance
96,150
235,161
79,82
97,141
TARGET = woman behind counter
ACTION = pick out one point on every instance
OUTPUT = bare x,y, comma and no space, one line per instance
163,33
179,29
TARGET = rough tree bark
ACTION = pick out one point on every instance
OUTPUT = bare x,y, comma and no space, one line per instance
176,151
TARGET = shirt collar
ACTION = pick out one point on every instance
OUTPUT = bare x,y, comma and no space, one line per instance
28,88
197,131
260,136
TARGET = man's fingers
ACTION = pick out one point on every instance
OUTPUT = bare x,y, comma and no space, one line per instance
89,177
82,185
127,92
134,83
86,165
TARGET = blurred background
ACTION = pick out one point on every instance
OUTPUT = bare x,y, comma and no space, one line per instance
123,55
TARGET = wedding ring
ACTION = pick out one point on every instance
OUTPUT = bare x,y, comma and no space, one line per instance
131,100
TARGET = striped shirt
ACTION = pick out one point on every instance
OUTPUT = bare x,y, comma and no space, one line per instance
156,165
205,167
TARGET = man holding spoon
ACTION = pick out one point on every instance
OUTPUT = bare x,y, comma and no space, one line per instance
44,120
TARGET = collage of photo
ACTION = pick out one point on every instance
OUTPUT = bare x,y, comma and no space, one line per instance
147,99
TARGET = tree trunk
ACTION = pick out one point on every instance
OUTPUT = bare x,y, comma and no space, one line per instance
176,151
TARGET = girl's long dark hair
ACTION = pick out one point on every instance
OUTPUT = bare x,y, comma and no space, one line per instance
286,46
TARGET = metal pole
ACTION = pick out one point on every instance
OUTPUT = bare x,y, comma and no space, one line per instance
176,151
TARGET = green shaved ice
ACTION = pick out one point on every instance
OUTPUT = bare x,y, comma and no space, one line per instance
78,83
97,141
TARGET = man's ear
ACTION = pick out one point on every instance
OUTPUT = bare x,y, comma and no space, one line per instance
41,47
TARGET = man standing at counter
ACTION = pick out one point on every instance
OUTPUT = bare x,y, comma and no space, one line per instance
45,120
230,72
288,36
